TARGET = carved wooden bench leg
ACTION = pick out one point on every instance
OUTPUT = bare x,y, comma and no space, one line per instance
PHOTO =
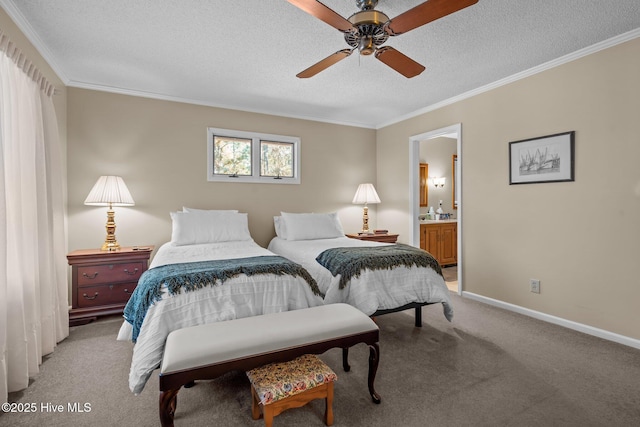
345,359
168,403
374,358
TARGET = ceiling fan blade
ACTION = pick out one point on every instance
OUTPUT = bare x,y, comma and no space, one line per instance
322,12
399,61
424,13
324,64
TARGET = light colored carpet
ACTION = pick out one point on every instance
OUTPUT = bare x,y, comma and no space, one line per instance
489,367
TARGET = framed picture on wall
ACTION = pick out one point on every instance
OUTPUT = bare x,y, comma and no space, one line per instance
544,159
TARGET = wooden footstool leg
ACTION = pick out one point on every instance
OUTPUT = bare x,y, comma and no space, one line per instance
255,405
268,415
328,410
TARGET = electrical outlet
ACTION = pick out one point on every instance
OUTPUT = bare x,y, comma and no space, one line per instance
534,285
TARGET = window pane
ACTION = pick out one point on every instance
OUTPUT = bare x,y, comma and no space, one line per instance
241,156
231,156
276,159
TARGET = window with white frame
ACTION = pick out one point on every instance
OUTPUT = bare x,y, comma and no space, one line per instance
238,156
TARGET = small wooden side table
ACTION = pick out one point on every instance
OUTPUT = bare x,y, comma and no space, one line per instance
102,281
384,238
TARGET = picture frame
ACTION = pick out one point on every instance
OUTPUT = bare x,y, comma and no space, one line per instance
547,158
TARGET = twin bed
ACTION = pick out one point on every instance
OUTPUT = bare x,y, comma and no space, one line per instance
213,271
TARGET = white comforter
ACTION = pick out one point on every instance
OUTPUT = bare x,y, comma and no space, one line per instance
374,289
239,297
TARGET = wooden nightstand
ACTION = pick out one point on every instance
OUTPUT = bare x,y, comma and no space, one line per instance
384,238
102,281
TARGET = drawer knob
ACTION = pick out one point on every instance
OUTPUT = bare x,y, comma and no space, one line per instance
131,273
88,297
93,276
127,291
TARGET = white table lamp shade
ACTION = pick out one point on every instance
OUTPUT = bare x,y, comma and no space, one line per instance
109,191
366,193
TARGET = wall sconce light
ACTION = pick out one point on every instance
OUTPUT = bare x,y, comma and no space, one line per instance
438,182
110,191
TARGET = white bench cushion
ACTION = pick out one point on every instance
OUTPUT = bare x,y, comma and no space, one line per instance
203,345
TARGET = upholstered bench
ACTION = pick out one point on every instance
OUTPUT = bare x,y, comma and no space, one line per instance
277,387
206,352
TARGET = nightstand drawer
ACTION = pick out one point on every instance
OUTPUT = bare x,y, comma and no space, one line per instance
93,296
102,281
109,273
121,293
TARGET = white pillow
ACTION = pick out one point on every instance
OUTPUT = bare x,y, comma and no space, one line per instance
186,209
278,224
190,228
309,226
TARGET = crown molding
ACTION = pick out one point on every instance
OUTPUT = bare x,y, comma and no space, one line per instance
26,28
622,38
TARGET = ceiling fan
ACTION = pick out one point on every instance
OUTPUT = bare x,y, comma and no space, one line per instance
368,29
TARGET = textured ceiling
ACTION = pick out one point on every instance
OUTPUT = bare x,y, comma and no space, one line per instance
244,54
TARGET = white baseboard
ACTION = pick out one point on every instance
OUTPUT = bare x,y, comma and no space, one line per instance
600,333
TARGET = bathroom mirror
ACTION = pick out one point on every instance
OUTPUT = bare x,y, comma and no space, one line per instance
424,189
454,190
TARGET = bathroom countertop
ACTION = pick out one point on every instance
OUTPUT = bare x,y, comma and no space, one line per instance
437,221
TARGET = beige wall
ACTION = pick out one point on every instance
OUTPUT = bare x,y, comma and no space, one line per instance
159,148
582,238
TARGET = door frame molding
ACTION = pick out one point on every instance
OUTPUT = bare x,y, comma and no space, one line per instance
414,177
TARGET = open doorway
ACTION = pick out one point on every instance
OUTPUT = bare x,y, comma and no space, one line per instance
447,166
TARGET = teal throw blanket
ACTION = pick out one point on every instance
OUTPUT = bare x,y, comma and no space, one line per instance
187,277
349,262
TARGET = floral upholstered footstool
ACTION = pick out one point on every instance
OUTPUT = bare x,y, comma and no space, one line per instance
280,386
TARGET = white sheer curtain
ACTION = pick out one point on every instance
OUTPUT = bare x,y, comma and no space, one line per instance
33,270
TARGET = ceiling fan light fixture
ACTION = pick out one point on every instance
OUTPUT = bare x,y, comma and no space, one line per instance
366,46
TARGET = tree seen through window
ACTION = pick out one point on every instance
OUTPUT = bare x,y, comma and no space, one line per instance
243,157
231,156
276,159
